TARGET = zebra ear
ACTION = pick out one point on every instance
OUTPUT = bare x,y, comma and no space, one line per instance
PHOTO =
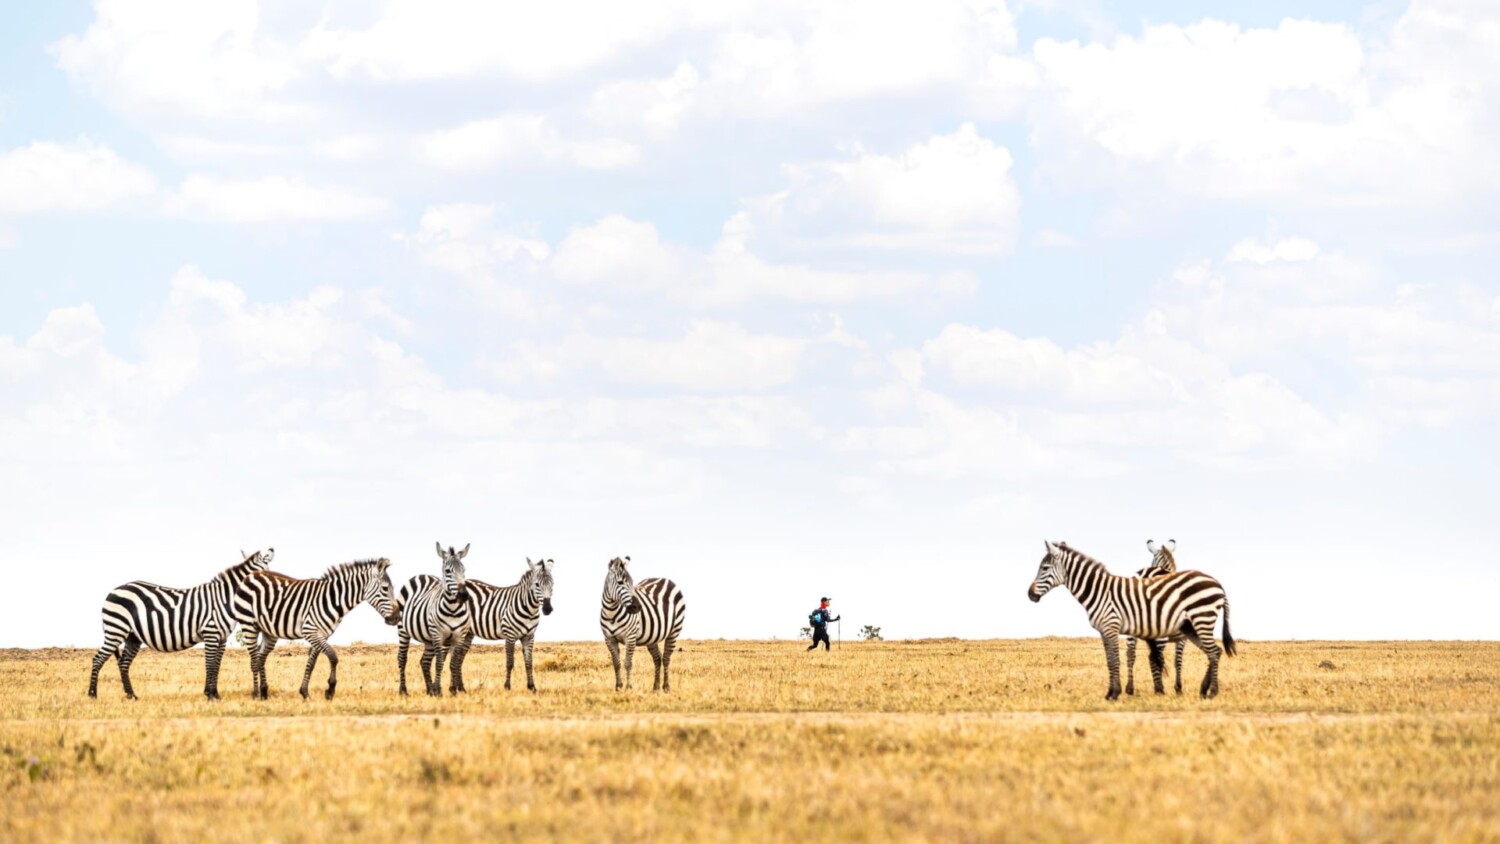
1048,543
464,553
1171,545
440,550
1151,545
530,565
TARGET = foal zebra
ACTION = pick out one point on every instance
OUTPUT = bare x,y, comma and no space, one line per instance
436,613
510,613
648,613
1163,561
1183,604
165,618
272,606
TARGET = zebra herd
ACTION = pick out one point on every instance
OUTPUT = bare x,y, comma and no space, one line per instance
444,614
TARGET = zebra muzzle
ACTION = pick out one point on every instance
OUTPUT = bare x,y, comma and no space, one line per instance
546,606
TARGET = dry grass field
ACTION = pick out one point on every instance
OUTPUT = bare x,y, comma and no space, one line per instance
761,741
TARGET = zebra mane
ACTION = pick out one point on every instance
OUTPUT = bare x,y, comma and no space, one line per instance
355,567
1080,559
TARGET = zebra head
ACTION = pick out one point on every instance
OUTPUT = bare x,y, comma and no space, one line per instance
1048,574
453,570
257,561
1163,558
378,591
619,586
541,582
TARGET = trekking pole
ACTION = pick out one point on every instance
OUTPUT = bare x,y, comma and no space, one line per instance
841,632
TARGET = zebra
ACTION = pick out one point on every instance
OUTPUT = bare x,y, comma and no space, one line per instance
648,613
1163,561
165,618
510,613
272,606
1183,604
436,613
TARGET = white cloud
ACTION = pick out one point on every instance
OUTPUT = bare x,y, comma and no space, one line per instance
619,252
951,193
655,106
1290,249
712,356
1097,373
203,59
467,38
267,198
8,237
1306,110
629,256
518,138
350,147
83,176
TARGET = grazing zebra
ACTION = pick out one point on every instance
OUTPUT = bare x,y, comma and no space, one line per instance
272,606
510,613
1183,604
648,613
165,618
436,613
1163,562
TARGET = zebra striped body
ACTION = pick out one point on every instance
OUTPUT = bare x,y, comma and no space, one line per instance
1163,561
435,612
648,613
272,606
1180,605
165,618
510,613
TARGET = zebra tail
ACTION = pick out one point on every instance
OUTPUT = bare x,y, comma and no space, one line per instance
1228,637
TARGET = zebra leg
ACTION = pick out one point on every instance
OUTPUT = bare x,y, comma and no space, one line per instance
437,673
1129,665
629,658
213,655
510,660
267,644
1181,646
402,646
333,670
526,644
1112,656
110,648
1203,637
666,664
655,652
428,653
1158,661
460,651
614,656
251,638
128,650
313,649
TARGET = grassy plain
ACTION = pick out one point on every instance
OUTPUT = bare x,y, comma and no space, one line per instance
760,741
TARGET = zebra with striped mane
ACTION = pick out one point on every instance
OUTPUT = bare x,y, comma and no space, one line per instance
1180,605
1163,561
166,618
271,606
510,613
435,612
648,613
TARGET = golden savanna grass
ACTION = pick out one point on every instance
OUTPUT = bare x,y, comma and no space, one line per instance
761,741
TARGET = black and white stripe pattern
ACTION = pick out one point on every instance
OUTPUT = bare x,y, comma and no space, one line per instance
435,612
510,613
1183,604
165,618
1163,561
272,606
648,613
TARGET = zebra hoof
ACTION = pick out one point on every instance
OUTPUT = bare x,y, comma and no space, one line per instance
531,688
304,693
1130,690
328,695
131,696
1114,694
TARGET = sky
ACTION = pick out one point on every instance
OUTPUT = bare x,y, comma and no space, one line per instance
781,299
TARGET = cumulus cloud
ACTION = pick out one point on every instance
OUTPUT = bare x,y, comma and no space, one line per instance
45,177
949,193
267,198
1307,110
514,138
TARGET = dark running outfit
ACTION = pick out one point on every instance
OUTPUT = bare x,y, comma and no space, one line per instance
820,619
